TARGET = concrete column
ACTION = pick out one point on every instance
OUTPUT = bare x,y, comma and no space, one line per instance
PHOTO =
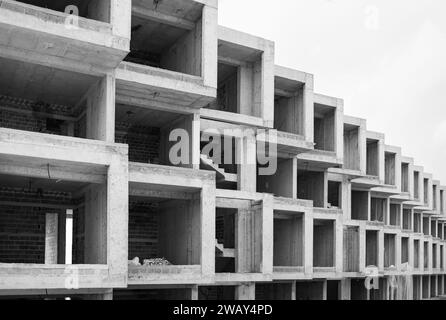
51,238
245,103
246,291
120,17
308,100
339,129
362,248
381,250
209,49
308,242
101,110
267,234
345,289
267,84
208,229
247,162
362,144
339,245
381,161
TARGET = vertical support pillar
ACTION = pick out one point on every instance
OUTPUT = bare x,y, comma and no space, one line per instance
209,48
308,242
208,229
345,289
245,291
308,101
247,162
381,250
51,238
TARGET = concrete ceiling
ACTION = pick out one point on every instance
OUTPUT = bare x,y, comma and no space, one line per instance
7,181
287,84
236,52
60,5
40,83
144,117
183,9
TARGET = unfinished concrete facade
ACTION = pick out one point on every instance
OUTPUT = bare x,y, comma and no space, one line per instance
90,98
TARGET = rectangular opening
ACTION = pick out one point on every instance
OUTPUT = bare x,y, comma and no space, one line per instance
417,288
226,240
433,280
324,128
351,148
404,250
434,228
334,194
426,191
389,250
281,183
390,168
167,35
289,110
274,291
324,243
351,249
426,285
35,98
416,185
426,255
360,205
288,240
426,226
416,254
152,294
372,157
434,197
159,231
442,202
333,290
440,283
372,248
440,230
404,177
434,256
311,186
358,290
395,215
34,213
216,293
91,9
417,222
407,219
378,209
310,290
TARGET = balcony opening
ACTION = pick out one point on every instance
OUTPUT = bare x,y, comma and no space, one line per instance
372,157
160,237
310,290
360,205
425,291
225,259
389,250
334,194
426,254
274,291
146,132
93,9
416,185
152,294
433,280
351,249
407,219
351,148
217,293
426,226
52,221
324,244
35,98
310,186
324,128
426,191
417,222
281,183
416,254
289,109
405,177
395,215
167,36
404,250
372,248
390,167
434,256
434,228
378,210
434,197
288,241
358,291
333,290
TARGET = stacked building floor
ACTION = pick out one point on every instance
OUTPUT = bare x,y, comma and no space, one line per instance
95,95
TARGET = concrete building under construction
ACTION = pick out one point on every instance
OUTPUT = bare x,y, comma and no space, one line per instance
92,206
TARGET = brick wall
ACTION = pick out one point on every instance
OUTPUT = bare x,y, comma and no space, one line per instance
144,142
143,230
22,226
22,114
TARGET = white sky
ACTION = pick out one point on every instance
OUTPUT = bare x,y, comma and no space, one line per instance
385,58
